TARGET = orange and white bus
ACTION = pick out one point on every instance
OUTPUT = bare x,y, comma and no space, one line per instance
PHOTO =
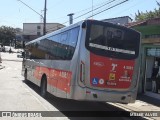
90,60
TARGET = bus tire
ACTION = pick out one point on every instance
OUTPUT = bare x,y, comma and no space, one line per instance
43,88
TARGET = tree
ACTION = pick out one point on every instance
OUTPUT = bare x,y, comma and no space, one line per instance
140,16
7,35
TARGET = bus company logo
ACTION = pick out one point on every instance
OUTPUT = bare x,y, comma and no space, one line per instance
99,64
112,76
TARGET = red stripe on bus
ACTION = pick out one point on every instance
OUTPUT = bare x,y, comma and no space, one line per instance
60,79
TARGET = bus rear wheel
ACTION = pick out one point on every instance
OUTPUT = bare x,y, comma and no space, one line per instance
43,89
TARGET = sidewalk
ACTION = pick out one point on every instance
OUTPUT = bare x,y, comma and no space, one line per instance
10,57
1,67
5,56
143,103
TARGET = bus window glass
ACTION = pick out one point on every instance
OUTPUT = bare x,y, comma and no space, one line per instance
53,43
63,39
109,40
62,48
73,38
99,37
57,47
55,38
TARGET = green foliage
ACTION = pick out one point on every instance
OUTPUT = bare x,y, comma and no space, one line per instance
140,16
7,34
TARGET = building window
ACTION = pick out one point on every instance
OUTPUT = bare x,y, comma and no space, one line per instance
38,27
153,52
38,33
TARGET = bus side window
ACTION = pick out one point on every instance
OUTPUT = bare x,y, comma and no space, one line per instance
63,48
73,38
54,43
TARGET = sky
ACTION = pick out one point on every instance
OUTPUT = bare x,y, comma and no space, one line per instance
14,13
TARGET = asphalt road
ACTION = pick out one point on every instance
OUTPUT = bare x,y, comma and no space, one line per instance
19,95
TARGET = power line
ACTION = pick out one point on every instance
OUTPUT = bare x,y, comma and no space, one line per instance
91,7
56,4
108,8
77,12
95,9
30,8
44,18
136,4
96,13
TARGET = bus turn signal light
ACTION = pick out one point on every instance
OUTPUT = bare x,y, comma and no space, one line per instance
82,72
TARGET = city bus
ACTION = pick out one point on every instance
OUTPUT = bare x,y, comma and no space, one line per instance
87,61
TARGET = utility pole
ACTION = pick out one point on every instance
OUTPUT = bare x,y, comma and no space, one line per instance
44,19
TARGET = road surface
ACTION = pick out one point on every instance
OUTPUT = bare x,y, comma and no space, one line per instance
18,95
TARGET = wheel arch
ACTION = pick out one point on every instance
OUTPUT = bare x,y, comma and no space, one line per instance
44,77
42,83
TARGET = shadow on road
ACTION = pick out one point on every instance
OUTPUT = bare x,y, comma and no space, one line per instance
149,100
81,109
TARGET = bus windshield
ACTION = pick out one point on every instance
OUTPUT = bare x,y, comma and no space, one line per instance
112,40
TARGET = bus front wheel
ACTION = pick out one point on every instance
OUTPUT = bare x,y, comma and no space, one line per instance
43,88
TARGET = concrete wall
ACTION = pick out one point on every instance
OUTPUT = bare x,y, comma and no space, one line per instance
32,31
32,28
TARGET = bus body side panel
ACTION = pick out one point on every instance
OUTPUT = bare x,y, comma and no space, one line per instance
77,87
57,74
29,65
60,74
74,67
